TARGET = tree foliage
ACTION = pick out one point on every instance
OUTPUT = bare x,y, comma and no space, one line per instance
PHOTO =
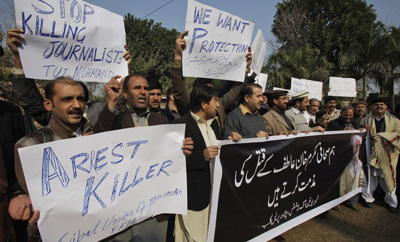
151,46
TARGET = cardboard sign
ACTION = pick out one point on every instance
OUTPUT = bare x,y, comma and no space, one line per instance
91,187
217,43
258,49
70,38
342,87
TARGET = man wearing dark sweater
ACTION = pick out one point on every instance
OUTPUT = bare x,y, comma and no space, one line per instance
245,119
345,120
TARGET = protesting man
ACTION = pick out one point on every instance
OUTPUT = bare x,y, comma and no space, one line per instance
360,109
245,119
295,114
65,98
345,120
312,110
204,130
276,123
385,146
330,106
134,113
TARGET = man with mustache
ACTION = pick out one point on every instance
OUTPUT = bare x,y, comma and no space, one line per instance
385,150
155,96
65,98
276,122
245,119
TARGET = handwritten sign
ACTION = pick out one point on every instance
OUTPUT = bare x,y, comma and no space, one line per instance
258,48
303,85
89,188
262,80
277,184
217,43
70,38
342,87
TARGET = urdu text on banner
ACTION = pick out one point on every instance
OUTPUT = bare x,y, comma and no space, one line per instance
70,38
217,43
94,186
263,188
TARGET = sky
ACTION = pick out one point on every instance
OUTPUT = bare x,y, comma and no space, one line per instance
261,12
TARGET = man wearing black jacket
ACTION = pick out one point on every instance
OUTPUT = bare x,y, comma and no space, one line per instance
345,120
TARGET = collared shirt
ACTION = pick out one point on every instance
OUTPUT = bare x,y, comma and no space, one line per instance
245,110
380,125
141,119
205,128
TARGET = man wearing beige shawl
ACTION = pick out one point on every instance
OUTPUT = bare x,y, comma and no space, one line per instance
385,145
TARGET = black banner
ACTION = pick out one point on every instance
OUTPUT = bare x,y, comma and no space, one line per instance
265,184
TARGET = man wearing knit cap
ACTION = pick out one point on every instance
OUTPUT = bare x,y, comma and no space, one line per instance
295,114
330,106
276,122
360,109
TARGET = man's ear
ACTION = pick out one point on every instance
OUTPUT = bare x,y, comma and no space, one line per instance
203,105
246,98
48,104
125,94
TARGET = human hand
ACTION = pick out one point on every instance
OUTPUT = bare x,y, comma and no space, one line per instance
249,57
127,55
20,208
235,137
187,146
318,129
261,134
180,45
14,39
113,90
210,152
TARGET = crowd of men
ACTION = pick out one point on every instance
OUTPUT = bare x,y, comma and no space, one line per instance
135,101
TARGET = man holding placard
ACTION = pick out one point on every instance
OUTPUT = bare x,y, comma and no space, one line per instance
66,100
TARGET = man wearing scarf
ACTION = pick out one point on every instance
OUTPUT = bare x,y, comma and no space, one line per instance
385,145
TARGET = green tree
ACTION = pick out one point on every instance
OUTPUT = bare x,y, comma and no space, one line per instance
151,46
328,35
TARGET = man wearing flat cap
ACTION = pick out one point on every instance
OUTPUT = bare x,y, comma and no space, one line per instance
275,120
360,109
295,114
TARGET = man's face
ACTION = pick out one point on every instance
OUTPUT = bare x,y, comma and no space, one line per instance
211,108
356,146
331,105
378,108
304,104
67,104
281,102
360,110
347,116
313,108
324,121
254,102
137,94
154,99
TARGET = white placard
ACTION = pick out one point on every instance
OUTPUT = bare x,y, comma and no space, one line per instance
70,38
342,87
217,43
258,48
98,185
303,85
262,80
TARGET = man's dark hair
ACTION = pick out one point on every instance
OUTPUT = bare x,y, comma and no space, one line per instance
294,101
199,95
379,100
201,82
247,90
153,84
49,88
346,108
128,78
